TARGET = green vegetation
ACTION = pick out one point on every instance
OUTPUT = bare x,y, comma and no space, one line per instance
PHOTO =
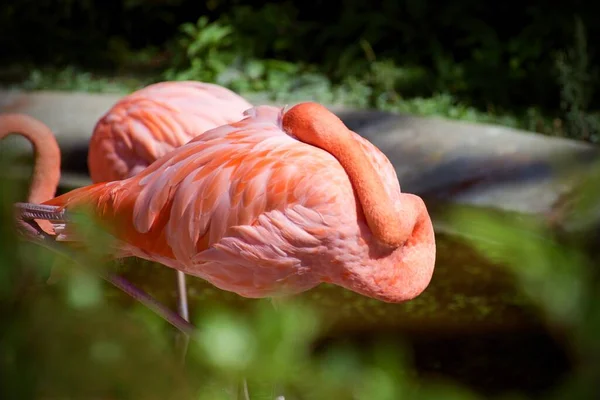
461,61
353,93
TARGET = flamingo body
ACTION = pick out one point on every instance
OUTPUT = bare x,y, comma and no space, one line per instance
150,122
253,210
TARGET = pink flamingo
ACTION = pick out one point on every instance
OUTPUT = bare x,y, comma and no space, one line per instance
46,169
149,123
273,204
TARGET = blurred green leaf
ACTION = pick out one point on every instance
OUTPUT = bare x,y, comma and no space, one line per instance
84,290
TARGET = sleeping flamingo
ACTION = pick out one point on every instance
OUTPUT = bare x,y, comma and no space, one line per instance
273,204
150,122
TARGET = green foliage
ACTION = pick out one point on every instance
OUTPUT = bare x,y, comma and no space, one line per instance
576,80
216,52
559,274
73,79
205,50
462,60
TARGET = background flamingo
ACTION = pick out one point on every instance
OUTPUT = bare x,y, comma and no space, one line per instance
46,169
275,203
152,121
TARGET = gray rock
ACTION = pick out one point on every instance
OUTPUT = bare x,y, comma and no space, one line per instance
71,115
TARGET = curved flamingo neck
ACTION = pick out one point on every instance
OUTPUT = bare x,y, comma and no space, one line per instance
314,124
46,171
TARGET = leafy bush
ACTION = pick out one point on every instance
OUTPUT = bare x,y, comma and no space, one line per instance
489,59
576,80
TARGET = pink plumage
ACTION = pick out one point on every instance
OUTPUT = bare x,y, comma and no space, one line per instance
150,122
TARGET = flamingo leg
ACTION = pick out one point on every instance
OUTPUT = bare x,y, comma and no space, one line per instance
182,306
244,389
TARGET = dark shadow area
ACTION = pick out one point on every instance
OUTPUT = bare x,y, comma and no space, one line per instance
75,157
530,362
